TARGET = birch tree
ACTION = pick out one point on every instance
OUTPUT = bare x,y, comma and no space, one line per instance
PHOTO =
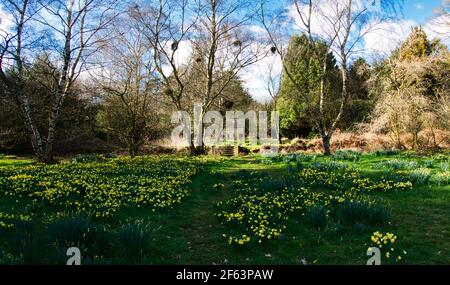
13,47
71,27
340,25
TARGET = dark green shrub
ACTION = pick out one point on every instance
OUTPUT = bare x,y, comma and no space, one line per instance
301,157
110,155
274,185
335,229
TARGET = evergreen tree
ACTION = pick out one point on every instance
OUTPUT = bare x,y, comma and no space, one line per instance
304,70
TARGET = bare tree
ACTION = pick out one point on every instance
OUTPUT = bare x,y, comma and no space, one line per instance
72,26
78,23
13,47
221,47
338,25
224,46
272,82
168,24
126,77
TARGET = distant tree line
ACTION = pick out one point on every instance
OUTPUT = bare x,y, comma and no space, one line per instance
116,70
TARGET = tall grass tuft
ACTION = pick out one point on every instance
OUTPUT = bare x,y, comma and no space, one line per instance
81,232
316,217
398,164
362,212
440,179
349,155
27,243
135,239
429,163
420,176
444,166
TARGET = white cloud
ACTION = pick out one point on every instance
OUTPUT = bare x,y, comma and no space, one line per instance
419,6
255,76
439,28
5,22
387,36
182,55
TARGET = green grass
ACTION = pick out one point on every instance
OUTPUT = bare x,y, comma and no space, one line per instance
13,162
191,233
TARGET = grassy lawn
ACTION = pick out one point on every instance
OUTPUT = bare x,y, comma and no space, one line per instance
13,162
179,210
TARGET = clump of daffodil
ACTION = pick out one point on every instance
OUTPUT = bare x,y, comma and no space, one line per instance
388,245
102,189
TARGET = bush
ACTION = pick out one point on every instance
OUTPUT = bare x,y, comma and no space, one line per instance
362,212
88,158
420,176
135,239
316,217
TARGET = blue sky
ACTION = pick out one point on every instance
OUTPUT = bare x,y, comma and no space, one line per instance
377,44
419,10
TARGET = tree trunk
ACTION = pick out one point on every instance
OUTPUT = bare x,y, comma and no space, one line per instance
131,149
326,145
36,139
201,149
416,140
54,115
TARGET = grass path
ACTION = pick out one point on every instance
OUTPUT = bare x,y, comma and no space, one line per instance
191,232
